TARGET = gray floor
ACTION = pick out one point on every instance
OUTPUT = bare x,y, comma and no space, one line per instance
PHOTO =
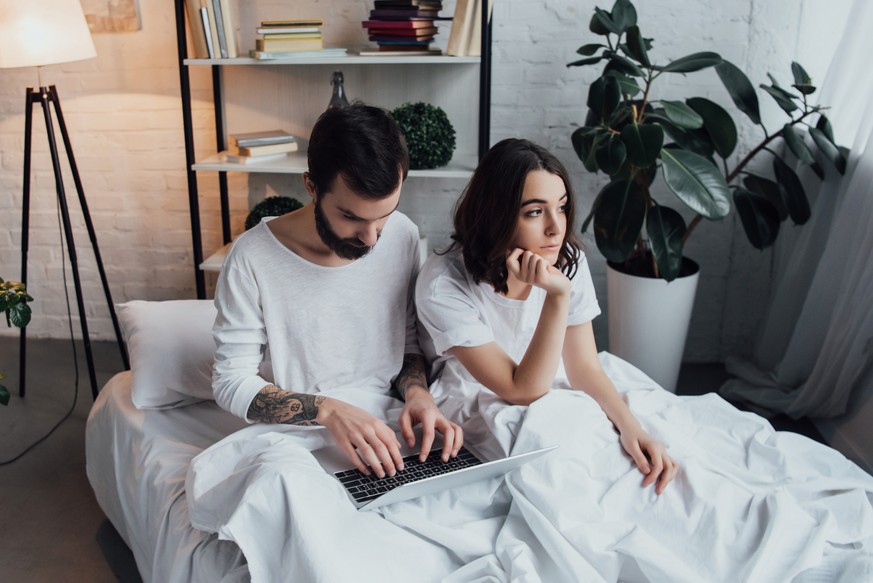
48,515
53,529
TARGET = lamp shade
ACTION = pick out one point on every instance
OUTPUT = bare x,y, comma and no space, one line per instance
43,32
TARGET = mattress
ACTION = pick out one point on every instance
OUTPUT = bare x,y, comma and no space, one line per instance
136,463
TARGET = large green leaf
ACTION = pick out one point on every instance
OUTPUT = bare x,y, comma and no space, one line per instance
782,98
606,21
19,315
623,64
717,123
585,61
666,228
759,217
618,219
637,46
597,26
691,63
769,190
611,154
824,126
802,81
792,191
829,149
627,85
801,77
643,143
4,395
585,141
697,183
697,141
796,144
740,89
603,97
682,115
590,49
624,15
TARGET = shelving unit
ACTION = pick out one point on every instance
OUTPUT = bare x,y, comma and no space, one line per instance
245,70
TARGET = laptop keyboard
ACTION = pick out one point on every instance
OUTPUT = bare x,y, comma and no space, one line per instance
364,488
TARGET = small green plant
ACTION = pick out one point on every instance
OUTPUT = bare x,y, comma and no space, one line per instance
272,206
635,139
429,134
13,303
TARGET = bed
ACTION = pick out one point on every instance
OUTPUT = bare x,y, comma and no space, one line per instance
750,504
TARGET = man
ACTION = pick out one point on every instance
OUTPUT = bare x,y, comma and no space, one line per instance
321,300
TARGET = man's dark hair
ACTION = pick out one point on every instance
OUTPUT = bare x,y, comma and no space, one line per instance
486,215
361,143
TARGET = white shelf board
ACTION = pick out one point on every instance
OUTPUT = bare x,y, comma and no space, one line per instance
295,163
346,60
215,261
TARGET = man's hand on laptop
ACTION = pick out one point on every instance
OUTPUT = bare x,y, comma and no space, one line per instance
355,429
420,408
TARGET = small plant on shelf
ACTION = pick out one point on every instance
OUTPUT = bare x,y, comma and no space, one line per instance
13,303
429,134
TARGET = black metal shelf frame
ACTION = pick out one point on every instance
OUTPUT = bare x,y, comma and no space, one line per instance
188,126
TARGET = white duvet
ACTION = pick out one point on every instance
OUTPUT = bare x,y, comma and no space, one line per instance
749,503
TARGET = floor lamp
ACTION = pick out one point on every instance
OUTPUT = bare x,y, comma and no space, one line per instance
34,34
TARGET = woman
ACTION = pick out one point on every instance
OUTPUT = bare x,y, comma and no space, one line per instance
508,307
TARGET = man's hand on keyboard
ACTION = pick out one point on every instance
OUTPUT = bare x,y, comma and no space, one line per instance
353,428
420,408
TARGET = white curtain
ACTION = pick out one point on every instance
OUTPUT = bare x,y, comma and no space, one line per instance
815,348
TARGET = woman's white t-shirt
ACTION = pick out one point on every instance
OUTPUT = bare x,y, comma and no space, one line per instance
453,310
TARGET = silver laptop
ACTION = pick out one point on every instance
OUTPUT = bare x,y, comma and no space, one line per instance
418,478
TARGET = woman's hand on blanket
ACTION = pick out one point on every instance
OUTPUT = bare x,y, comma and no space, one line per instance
353,428
533,269
650,457
420,408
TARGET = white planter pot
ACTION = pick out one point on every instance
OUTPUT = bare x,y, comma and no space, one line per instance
648,321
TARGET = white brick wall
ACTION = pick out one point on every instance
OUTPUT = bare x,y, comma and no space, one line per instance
124,116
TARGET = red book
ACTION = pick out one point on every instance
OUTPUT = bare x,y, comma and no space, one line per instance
401,39
402,14
397,23
411,32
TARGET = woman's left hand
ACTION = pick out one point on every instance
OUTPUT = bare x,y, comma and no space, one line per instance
650,458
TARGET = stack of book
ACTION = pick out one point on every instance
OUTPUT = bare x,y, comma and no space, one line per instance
255,147
403,26
213,28
291,38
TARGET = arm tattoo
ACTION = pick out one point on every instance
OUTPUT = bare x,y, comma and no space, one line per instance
412,374
273,405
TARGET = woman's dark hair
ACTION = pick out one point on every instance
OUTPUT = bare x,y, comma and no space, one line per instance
361,143
486,215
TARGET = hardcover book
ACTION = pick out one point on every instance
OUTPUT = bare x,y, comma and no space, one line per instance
288,45
397,23
264,138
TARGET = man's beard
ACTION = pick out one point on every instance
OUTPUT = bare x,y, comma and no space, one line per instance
344,248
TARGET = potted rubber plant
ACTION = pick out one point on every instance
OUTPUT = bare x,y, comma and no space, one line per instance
688,145
13,304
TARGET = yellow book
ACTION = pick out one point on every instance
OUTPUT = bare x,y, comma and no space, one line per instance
288,45
255,151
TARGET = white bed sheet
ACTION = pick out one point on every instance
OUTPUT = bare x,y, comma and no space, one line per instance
750,504
136,463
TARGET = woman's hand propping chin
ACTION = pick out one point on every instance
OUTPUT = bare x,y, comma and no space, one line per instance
530,268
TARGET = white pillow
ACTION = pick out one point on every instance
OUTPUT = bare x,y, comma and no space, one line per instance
171,351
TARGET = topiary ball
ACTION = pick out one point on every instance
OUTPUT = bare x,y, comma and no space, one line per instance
429,134
272,206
